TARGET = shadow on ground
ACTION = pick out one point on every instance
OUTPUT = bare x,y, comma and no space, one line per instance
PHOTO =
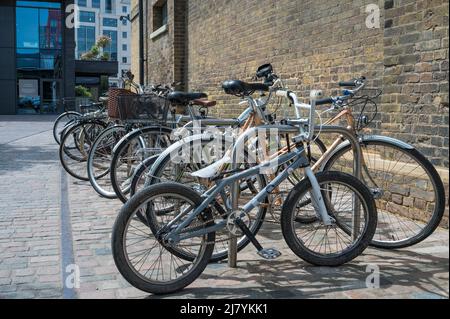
295,279
27,118
15,158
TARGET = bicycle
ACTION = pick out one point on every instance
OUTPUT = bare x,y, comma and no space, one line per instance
393,170
100,155
71,113
179,217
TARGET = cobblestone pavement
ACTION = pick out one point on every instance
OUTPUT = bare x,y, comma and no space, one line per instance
49,220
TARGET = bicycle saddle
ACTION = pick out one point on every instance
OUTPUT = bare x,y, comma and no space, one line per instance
236,87
204,102
211,170
177,97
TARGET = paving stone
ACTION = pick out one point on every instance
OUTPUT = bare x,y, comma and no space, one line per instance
414,272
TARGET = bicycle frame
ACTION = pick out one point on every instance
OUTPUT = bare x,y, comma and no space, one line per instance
300,161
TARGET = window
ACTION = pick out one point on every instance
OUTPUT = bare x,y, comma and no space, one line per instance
112,47
108,6
124,47
124,35
50,35
82,3
27,28
159,15
85,39
109,22
124,21
41,4
86,16
124,9
38,37
124,59
48,58
96,4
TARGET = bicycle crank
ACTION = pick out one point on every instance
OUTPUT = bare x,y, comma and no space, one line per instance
266,253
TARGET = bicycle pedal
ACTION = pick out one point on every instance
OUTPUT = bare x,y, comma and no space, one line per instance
269,253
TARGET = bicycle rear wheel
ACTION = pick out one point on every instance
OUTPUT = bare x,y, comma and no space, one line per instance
409,193
131,151
146,261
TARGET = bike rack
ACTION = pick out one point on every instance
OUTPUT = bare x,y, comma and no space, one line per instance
284,129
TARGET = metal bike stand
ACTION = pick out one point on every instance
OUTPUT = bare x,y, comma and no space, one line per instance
232,242
357,157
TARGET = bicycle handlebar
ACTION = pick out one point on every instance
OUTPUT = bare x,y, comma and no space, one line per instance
327,100
353,82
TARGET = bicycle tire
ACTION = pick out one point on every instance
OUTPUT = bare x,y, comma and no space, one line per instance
93,177
123,192
118,240
288,221
57,135
79,159
438,189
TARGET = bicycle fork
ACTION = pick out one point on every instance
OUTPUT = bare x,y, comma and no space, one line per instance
317,199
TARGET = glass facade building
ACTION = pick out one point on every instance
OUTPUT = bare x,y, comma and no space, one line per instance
105,18
39,47
36,56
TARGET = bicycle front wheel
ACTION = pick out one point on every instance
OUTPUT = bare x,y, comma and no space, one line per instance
131,151
409,193
62,122
99,160
351,206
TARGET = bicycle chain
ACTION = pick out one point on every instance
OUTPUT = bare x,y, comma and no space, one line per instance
197,225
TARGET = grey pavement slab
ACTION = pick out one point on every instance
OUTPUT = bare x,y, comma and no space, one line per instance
37,242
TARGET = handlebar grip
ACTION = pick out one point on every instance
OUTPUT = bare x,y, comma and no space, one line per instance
327,100
351,83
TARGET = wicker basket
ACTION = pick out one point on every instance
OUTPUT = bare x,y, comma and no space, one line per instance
113,101
143,108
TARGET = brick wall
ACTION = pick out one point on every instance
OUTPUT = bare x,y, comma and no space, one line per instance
415,81
165,53
135,39
314,44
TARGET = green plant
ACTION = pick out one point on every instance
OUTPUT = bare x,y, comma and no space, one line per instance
82,91
87,56
97,51
103,41
105,56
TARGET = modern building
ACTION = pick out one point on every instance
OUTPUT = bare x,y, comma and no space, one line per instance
109,18
36,55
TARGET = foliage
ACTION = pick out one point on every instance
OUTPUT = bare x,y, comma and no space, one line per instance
97,51
103,41
105,56
82,91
